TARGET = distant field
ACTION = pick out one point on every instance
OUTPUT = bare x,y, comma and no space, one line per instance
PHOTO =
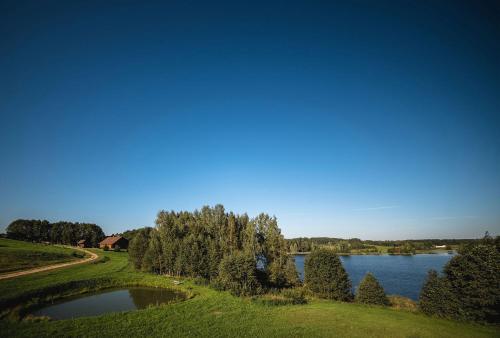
213,313
19,255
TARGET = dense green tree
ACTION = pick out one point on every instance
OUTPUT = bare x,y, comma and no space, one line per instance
60,232
470,286
138,247
437,298
291,274
371,292
194,244
474,276
237,273
326,277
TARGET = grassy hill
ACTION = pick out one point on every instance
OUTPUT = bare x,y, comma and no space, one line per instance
19,255
212,313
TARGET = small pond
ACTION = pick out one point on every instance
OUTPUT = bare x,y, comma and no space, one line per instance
110,300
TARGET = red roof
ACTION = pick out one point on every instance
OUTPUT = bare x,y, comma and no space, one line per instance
111,240
81,241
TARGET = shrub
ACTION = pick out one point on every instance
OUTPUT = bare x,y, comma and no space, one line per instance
371,292
402,303
237,274
77,254
201,281
325,276
295,295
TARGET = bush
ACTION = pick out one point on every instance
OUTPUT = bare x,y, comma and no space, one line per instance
201,281
293,296
105,248
402,303
77,254
325,276
371,292
296,295
237,274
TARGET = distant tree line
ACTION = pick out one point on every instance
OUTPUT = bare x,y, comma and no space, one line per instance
339,245
60,232
232,251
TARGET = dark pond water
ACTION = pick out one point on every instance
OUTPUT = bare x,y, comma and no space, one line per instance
111,300
399,275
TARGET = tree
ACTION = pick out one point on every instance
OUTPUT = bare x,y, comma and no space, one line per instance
138,247
474,276
237,273
326,277
371,292
291,274
469,288
437,298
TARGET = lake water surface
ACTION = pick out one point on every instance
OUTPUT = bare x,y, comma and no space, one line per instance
111,300
399,275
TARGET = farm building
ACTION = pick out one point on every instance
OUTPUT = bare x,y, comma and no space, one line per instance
83,244
113,242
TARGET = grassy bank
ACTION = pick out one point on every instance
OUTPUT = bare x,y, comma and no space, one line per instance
213,313
18,255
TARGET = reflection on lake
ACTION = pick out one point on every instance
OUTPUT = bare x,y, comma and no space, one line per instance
109,301
400,275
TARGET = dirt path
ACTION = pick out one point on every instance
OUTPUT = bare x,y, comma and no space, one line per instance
92,257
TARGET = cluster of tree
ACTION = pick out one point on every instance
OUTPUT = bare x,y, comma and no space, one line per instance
130,234
236,252
326,278
469,286
404,249
59,232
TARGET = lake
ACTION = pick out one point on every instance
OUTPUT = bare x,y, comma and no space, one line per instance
110,300
399,275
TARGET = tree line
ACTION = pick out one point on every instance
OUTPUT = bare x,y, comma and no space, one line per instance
231,251
339,245
60,232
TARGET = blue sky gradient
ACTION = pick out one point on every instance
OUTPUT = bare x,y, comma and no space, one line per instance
370,119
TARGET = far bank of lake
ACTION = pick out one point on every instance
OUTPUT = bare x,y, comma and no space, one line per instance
398,274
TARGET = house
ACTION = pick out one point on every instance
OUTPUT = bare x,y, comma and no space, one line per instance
83,244
113,242
440,246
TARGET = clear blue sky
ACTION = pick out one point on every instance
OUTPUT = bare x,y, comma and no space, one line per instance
376,119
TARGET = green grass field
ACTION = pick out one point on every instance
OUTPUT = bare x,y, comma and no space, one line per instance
18,255
211,313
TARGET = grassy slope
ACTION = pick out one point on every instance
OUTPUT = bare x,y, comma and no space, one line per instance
211,313
18,255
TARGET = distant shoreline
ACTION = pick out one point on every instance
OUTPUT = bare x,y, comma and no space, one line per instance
450,252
